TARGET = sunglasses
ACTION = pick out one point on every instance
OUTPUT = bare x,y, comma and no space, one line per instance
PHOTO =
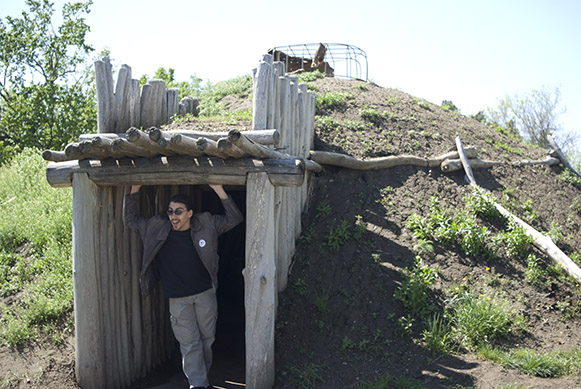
177,211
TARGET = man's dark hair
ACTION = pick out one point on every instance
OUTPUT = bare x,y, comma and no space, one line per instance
183,199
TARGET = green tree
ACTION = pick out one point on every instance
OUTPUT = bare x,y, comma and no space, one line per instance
535,115
46,95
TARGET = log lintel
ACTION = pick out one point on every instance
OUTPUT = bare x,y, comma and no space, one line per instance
176,170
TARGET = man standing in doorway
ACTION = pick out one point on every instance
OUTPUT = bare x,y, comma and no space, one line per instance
181,250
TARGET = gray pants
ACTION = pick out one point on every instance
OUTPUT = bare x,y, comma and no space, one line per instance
193,319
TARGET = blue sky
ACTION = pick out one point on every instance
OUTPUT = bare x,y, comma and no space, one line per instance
470,52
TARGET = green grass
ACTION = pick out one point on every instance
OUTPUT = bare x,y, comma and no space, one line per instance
389,382
35,250
480,320
331,100
306,376
571,178
546,365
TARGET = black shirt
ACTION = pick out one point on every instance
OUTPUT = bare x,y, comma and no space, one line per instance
182,272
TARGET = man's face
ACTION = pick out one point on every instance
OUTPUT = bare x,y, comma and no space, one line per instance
179,216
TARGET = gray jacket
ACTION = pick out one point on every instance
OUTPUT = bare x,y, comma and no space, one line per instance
205,229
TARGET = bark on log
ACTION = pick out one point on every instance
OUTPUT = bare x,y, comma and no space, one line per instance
55,156
259,282
210,147
261,91
178,170
89,347
173,101
464,159
153,104
561,155
105,96
343,160
227,147
121,144
264,137
259,151
123,99
185,144
141,139
453,165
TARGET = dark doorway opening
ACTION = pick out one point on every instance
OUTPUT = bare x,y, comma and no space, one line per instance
229,365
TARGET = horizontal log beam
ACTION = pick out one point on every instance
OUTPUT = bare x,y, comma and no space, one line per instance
260,151
265,137
176,170
454,165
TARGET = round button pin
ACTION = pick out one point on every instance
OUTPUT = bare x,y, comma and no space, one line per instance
202,242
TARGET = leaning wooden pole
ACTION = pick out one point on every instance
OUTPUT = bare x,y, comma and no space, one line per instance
542,242
562,156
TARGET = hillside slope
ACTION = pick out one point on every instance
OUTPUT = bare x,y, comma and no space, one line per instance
339,323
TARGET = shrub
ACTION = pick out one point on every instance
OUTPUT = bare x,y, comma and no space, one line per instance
35,232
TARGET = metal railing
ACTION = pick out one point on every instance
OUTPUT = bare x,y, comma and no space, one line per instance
346,61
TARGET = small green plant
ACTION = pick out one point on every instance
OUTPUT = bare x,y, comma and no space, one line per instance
555,233
483,205
424,248
360,228
300,286
420,226
347,344
362,87
474,238
323,209
331,100
516,241
535,274
305,77
571,178
309,235
437,335
338,235
414,291
322,301
576,205
326,124
372,115
306,376
529,212
405,325
423,104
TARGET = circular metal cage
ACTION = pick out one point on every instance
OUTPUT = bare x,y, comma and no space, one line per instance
338,60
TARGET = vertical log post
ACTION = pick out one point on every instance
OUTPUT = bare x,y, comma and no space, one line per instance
105,96
261,90
123,99
89,355
259,280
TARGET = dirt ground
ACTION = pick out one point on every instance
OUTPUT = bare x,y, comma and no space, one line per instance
356,336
